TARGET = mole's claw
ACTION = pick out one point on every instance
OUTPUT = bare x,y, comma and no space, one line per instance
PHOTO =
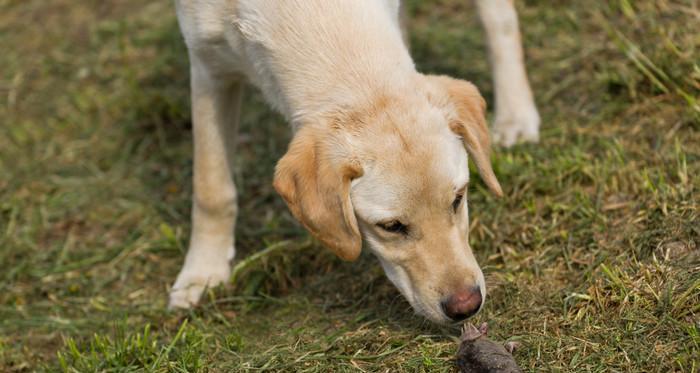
512,346
484,328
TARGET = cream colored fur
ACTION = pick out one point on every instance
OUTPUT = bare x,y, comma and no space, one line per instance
375,141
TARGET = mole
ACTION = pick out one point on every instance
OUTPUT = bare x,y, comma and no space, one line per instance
478,354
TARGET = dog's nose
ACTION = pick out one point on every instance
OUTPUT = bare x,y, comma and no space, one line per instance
463,304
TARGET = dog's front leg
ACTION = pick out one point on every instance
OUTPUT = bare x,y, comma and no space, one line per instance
215,113
517,118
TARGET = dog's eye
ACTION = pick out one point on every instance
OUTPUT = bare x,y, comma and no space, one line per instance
457,202
394,226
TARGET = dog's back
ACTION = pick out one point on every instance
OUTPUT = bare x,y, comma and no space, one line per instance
322,41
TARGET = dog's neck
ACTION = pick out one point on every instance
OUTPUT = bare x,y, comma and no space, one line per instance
301,73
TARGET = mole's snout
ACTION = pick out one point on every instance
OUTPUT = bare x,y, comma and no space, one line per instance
463,304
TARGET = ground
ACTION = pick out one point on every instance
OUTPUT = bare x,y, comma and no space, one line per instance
592,259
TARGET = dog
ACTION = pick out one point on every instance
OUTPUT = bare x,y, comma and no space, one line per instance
379,152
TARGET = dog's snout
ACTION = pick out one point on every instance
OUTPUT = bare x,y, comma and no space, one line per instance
463,304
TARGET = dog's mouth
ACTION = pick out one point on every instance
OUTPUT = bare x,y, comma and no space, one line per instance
435,308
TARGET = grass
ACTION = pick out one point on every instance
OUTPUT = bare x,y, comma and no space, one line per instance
592,260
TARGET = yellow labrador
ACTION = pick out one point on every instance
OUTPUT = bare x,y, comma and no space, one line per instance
379,150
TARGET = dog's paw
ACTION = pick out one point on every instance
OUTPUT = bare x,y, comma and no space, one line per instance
523,126
190,285
194,279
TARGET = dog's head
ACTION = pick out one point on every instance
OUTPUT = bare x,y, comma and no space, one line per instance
395,173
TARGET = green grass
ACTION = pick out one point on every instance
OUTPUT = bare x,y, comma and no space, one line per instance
592,259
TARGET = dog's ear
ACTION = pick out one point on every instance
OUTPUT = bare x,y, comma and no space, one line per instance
469,122
314,180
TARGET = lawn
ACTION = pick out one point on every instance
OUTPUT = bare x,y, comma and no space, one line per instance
592,259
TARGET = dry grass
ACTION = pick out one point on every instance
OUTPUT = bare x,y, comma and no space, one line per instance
592,260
